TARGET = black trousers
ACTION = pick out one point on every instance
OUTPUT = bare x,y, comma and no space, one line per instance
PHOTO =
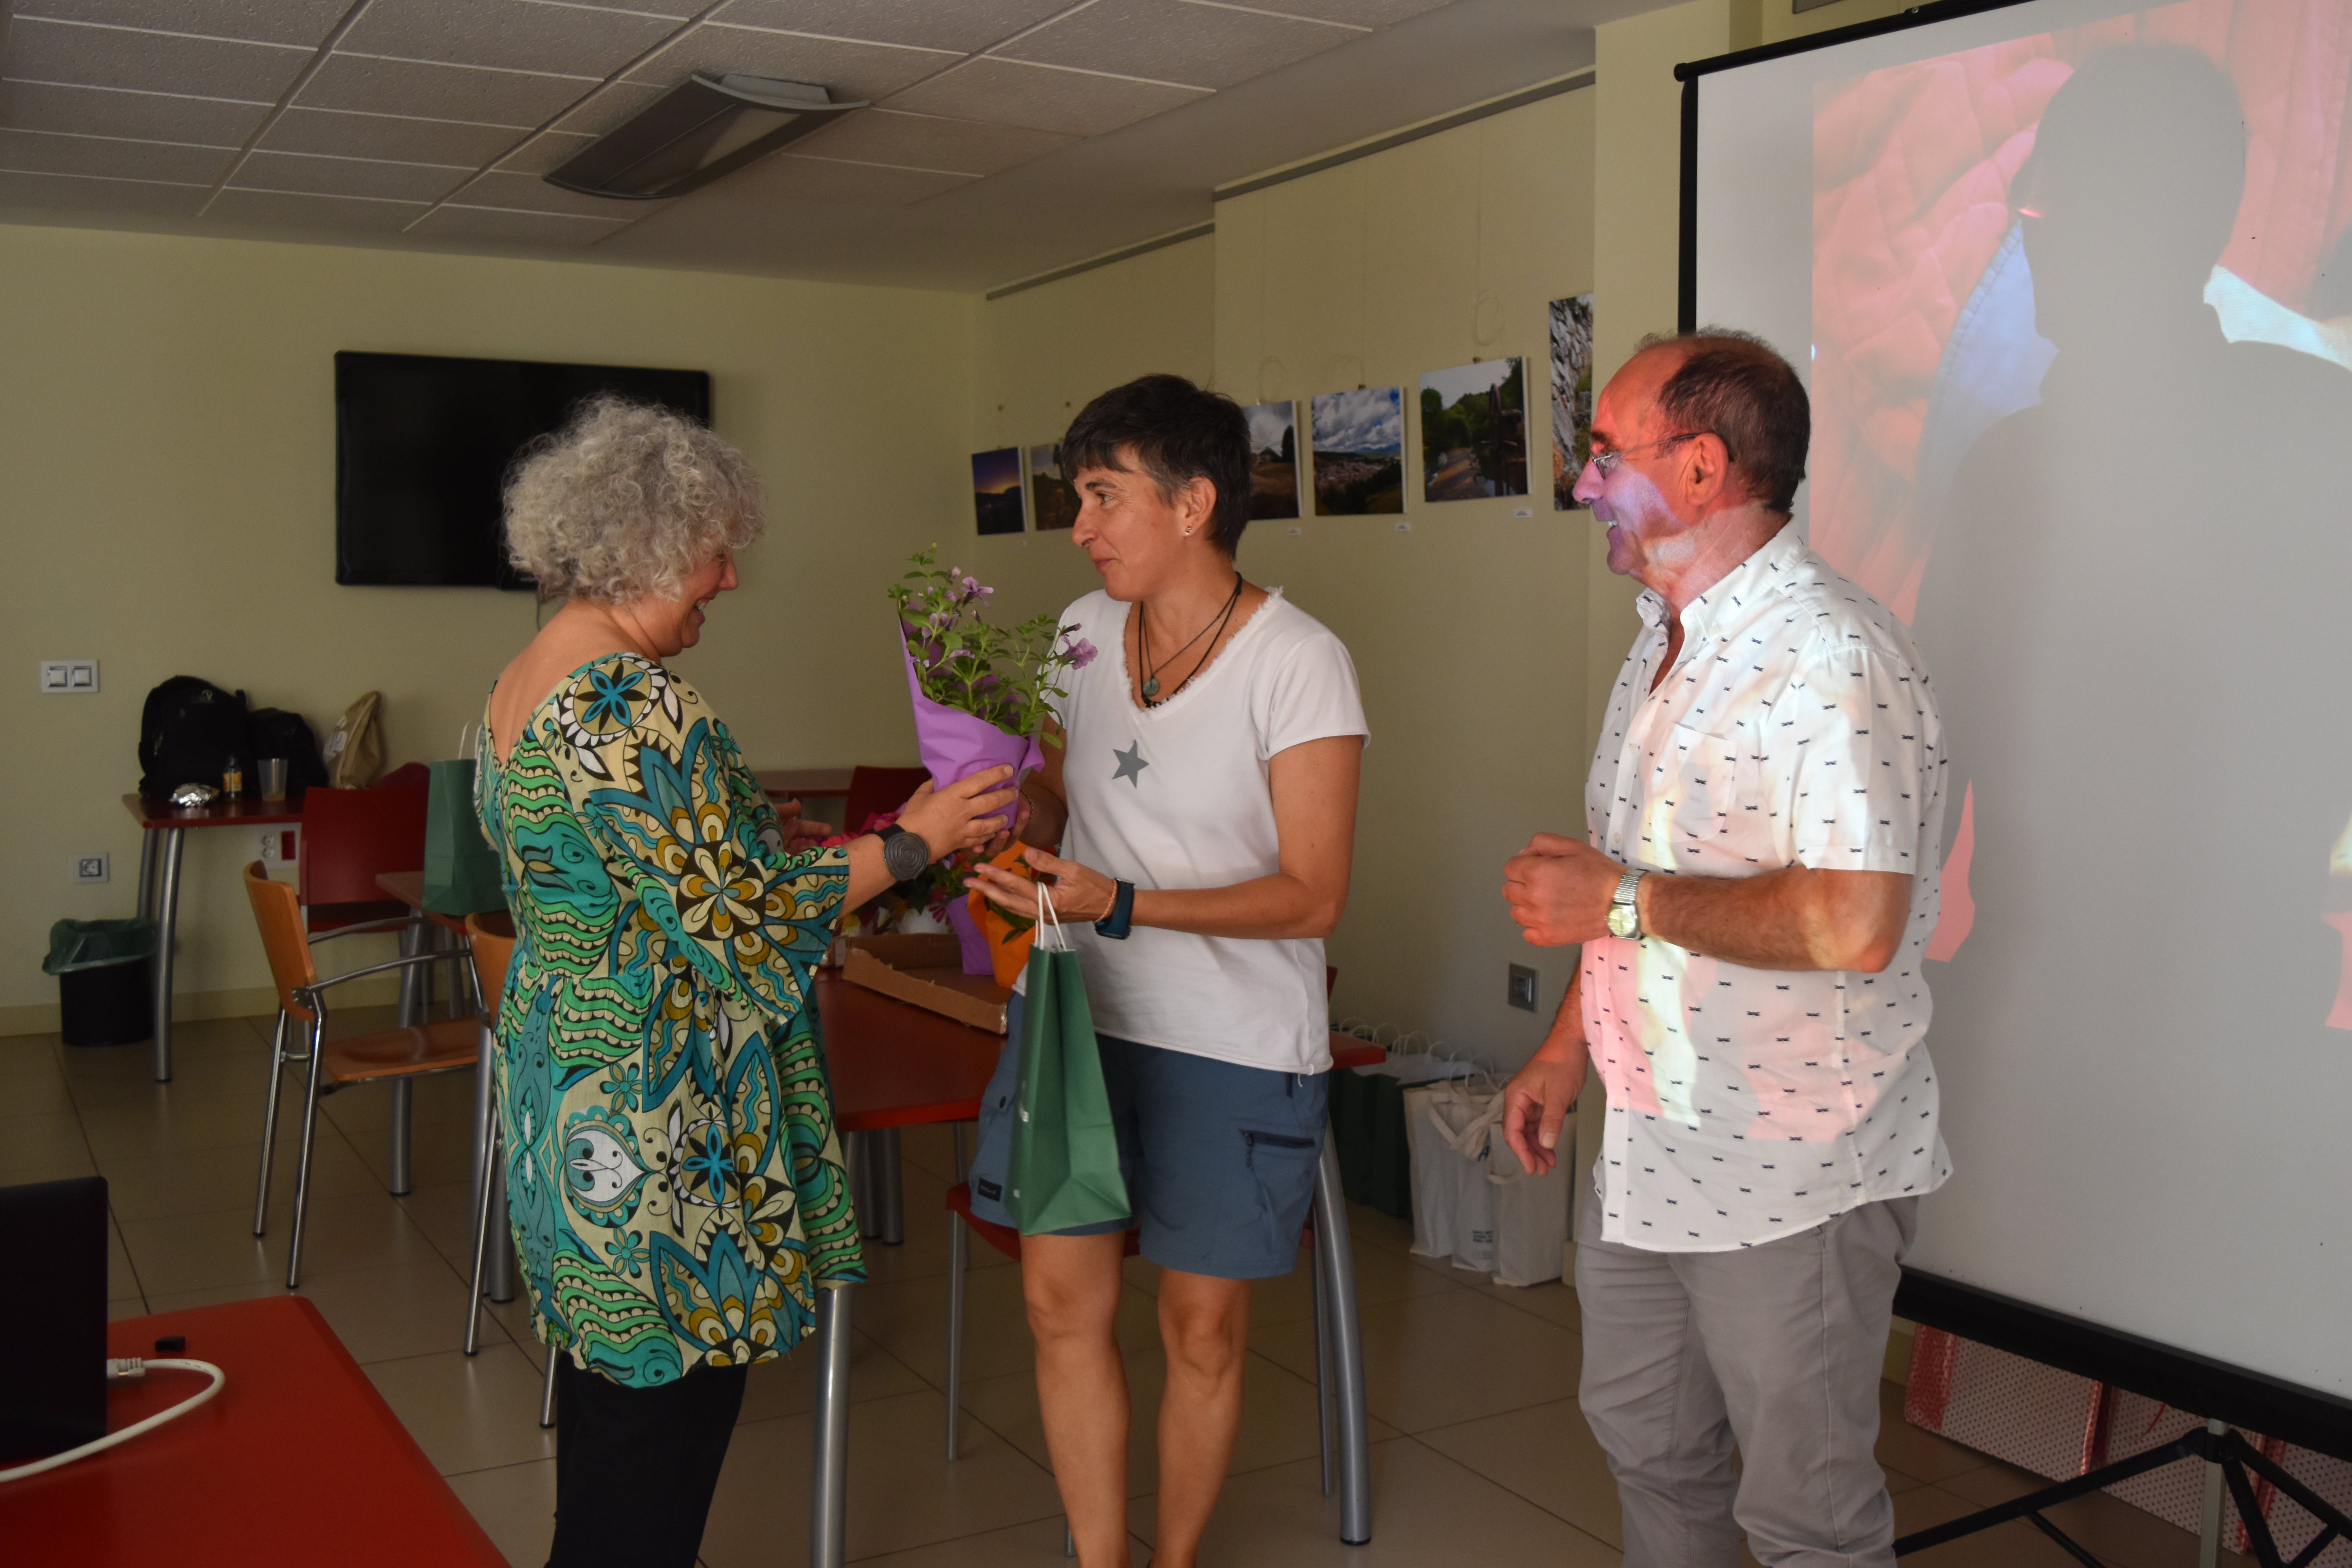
636,1467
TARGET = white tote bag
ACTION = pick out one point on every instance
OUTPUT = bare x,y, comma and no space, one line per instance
1447,1125
1530,1211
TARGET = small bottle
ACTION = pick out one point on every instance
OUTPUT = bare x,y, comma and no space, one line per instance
233,776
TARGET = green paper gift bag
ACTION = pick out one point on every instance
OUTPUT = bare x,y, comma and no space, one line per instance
461,870
1065,1164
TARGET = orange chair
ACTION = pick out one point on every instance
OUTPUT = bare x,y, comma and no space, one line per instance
491,937
388,1055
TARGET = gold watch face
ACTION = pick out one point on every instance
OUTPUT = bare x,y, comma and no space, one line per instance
1622,919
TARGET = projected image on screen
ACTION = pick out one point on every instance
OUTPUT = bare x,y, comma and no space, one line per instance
2077,290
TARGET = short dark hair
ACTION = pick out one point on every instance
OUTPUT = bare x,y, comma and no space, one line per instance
1736,386
1180,433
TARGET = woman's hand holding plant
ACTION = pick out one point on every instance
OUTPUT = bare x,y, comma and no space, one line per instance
1081,893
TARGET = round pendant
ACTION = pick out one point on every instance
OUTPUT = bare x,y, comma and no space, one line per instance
1150,687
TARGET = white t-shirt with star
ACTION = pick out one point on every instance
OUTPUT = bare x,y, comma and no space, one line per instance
1177,796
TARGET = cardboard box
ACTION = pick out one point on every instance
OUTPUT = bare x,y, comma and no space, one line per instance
927,971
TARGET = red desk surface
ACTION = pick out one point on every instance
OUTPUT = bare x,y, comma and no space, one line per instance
241,811
408,886
297,1460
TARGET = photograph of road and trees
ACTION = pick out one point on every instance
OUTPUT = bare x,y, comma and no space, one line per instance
1274,459
1359,451
1051,496
1474,431
996,489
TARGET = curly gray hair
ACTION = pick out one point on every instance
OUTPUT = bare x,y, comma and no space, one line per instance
624,502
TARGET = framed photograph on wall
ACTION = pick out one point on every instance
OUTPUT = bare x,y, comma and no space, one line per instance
996,489
1572,396
1359,451
1274,459
1474,431
1051,496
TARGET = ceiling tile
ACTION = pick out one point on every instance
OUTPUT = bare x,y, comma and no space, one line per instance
68,193
1358,13
1041,97
295,210
608,107
301,173
42,152
849,71
786,177
514,227
440,91
342,134
965,26
107,112
928,142
1205,46
547,150
514,35
303,22
529,192
149,62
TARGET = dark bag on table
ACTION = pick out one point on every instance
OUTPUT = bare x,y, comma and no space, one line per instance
278,733
189,732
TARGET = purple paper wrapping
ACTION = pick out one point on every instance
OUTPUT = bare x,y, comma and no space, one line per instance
955,744
976,960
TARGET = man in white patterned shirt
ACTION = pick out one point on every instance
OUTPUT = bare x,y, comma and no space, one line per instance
1764,817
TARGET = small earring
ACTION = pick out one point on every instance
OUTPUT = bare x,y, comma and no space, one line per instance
1187,533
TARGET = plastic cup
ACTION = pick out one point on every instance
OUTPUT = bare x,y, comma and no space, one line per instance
273,778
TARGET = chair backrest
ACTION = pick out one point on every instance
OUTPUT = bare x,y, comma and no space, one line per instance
279,916
875,791
493,938
350,837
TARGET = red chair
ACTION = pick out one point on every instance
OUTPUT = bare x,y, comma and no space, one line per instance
874,792
349,837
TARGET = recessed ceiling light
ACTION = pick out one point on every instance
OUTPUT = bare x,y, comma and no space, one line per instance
702,128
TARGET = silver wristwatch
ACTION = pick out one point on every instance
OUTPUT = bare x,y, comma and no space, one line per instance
1624,910
904,852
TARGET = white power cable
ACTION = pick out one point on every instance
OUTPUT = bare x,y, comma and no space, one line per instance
119,1370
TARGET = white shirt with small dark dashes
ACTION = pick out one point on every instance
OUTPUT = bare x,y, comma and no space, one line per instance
1750,1104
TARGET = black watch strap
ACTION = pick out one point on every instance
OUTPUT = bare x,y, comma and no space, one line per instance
1120,920
905,855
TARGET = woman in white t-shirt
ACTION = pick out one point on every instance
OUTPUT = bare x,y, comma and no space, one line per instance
1204,803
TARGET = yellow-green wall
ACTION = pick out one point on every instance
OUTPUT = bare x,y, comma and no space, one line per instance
167,439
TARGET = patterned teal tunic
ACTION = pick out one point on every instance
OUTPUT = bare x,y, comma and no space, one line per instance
674,1179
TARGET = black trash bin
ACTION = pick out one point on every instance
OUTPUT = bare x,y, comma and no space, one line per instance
105,972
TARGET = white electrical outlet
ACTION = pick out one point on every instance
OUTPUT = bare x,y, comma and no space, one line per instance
279,846
95,867
72,676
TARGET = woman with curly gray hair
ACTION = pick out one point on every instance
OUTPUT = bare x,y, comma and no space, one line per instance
673,1176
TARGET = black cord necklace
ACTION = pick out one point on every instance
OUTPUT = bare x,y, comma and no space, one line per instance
1143,645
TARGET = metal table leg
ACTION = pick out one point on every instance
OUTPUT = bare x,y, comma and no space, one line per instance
167,937
415,938
829,1467
147,874
890,1189
1346,1349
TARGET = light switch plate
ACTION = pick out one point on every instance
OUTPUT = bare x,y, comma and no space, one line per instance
95,867
69,677
1523,982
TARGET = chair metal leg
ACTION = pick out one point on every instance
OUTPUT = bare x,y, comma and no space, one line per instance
310,1136
957,1129
481,1239
547,1399
829,1479
167,939
404,1112
959,1261
412,942
1346,1350
270,1125
1323,1364
1069,1541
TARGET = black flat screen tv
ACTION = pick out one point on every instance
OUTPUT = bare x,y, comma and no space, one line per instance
421,449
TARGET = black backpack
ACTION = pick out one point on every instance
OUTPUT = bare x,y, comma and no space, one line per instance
279,733
189,732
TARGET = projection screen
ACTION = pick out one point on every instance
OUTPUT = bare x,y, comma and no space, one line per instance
2072,285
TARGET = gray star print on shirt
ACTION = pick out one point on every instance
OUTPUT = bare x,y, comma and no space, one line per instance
1130,765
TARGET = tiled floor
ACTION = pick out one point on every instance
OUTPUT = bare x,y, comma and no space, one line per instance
1479,1454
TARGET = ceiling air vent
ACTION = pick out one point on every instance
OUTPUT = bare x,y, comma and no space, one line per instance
702,128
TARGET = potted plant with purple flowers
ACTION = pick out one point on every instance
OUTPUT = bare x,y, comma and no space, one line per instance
981,692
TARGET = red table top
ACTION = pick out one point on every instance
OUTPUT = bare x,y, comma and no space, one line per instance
298,1460
408,886
243,810
898,1065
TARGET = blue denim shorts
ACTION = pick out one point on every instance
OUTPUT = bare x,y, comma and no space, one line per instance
1219,1159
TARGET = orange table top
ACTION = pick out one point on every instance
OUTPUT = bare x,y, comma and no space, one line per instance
896,1064
298,1460
244,811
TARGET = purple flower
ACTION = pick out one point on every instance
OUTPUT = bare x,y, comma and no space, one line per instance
1082,653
